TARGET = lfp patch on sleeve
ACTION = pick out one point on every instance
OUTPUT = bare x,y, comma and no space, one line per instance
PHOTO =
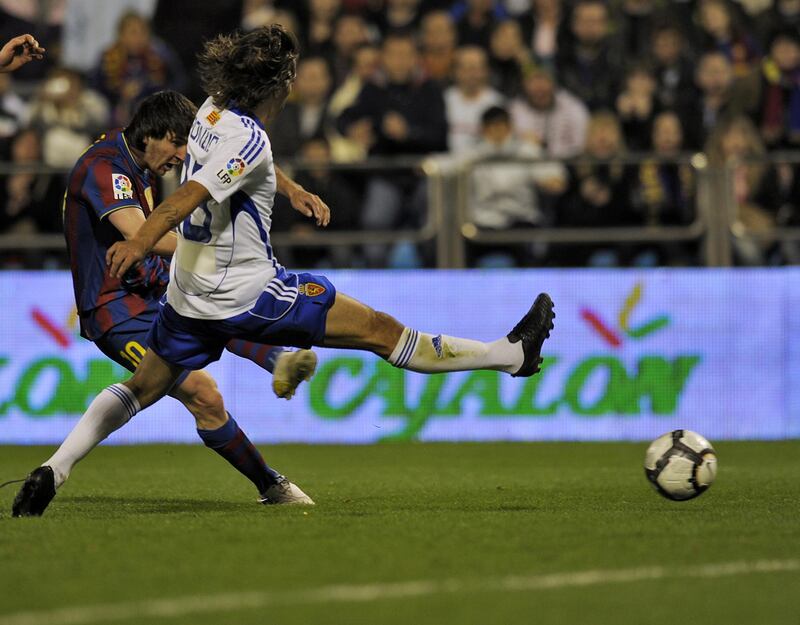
123,189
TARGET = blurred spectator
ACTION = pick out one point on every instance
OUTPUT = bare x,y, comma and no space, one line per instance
258,13
754,8
590,67
665,191
475,20
673,67
68,115
29,202
774,89
318,31
439,42
736,144
338,194
542,29
714,80
183,24
135,66
90,27
401,114
549,116
398,15
349,33
510,58
41,19
721,32
13,109
366,64
306,114
599,192
468,98
636,107
781,15
635,23
504,194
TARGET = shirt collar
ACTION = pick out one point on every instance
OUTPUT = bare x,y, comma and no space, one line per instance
234,108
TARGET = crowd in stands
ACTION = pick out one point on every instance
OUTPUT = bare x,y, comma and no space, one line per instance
584,85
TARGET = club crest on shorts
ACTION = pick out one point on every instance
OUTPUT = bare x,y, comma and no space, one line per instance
437,345
123,189
311,289
235,166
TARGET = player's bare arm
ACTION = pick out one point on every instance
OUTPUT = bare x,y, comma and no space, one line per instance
19,51
129,220
123,255
302,201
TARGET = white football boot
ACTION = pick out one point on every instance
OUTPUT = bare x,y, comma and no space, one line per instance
291,368
284,492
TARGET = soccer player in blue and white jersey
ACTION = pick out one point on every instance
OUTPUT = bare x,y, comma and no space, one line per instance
225,280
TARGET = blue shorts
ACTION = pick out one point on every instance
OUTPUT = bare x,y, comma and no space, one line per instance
126,342
194,343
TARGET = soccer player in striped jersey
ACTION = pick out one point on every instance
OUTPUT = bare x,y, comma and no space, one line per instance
224,286
109,196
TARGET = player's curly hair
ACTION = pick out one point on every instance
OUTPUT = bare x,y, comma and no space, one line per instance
248,69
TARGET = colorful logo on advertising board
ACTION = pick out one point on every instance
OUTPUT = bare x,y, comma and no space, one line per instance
52,384
614,337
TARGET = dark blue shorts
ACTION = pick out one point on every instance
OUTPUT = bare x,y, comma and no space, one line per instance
126,342
194,343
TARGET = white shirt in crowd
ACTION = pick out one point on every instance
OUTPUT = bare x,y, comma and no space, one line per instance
464,116
561,130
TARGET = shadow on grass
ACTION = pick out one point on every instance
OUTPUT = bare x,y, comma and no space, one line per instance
146,505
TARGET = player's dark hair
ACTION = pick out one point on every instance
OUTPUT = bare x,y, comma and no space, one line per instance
158,115
248,69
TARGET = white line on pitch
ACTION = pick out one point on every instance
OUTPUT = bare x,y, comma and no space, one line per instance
184,606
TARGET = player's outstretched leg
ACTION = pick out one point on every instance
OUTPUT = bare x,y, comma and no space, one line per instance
352,324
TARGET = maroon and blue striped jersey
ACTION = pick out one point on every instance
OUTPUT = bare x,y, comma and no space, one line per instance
106,179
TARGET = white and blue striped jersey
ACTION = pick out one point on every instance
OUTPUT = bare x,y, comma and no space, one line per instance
224,260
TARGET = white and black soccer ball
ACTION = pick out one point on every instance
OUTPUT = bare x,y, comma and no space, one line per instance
680,465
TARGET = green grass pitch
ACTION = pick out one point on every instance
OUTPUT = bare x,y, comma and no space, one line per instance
405,533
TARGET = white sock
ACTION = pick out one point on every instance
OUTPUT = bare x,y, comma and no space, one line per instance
109,411
426,353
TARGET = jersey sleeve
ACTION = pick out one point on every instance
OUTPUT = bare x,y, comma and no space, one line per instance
108,188
231,162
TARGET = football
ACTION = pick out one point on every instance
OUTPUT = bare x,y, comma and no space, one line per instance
680,465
